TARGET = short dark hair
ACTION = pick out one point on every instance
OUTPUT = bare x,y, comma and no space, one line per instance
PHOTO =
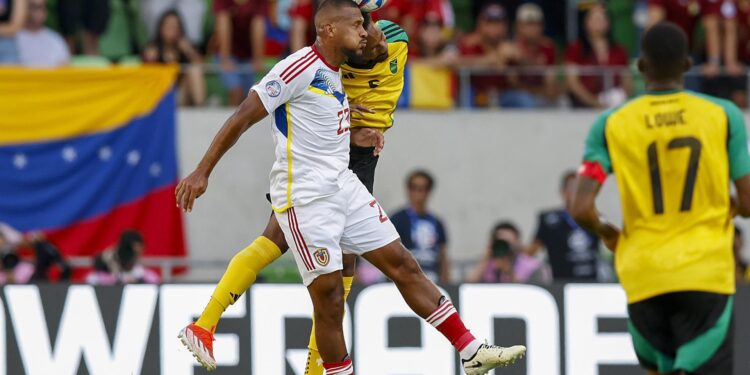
506,225
367,20
665,46
566,177
424,174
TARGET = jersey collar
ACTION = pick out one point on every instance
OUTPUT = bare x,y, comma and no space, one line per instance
663,92
323,59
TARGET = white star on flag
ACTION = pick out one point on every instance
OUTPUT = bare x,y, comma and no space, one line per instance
155,170
105,153
20,161
134,157
69,154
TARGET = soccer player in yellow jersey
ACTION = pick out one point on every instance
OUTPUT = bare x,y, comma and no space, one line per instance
373,86
673,153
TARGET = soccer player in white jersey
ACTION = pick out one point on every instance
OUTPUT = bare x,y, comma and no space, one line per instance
320,204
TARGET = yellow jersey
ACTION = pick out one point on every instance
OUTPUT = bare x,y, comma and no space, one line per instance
673,153
378,86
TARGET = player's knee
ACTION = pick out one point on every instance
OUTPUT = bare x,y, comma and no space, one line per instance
407,269
276,236
327,292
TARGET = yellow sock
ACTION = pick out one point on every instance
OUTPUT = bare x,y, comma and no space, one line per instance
314,362
240,274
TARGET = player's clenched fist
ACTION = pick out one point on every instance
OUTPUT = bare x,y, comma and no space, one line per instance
190,188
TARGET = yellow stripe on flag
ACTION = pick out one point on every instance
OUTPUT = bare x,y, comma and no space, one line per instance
430,87
53,104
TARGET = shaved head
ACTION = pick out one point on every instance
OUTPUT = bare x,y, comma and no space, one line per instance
339,26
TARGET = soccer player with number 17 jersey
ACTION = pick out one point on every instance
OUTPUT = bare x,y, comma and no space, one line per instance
673,153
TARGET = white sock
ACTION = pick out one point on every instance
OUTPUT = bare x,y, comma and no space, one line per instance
468,352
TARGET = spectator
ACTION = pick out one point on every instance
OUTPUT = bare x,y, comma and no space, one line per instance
12,18
688,15
487,47
432,47
531,49
736,51
409,14
171,46
39,46
503,262
240,31
422,232
49,263
119,265
13,270
571,250
595,48
92,15
191,12
302,30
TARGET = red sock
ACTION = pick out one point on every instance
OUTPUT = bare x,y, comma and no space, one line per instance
340,368
447,321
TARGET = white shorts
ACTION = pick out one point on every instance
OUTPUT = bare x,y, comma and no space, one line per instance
350,221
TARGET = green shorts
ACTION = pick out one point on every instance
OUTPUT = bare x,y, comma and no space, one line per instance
685,331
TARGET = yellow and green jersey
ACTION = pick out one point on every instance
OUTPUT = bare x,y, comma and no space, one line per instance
379,86
673,154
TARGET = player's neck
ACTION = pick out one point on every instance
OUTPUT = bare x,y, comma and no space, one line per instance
664,86
330,55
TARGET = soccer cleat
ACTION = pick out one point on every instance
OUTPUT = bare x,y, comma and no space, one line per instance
489,357
200,343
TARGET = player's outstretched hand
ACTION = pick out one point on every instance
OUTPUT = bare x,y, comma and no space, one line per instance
190,189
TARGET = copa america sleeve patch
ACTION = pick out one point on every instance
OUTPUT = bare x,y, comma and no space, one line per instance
273,88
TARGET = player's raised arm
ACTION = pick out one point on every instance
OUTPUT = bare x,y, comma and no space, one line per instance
249,112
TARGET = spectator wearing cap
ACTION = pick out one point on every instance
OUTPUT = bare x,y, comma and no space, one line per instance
488,47
595,48
530,49
240,32
40,46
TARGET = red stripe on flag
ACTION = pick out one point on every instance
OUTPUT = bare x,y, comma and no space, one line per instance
154,215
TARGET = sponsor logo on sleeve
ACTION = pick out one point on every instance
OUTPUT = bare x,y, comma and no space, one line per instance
273,88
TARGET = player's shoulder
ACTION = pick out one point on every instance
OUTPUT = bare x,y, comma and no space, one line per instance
727,106
296,65
393,32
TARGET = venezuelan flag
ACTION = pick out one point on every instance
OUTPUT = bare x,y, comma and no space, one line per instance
85,154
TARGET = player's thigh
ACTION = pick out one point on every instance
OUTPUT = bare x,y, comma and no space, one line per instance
367,225
313,232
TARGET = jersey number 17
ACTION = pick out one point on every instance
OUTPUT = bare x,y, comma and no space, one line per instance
695,146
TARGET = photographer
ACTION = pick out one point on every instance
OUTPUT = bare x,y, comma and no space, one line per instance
504,262
119,265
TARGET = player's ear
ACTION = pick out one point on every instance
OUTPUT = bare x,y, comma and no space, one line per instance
642,65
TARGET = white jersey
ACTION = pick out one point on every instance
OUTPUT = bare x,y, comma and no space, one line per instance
310,114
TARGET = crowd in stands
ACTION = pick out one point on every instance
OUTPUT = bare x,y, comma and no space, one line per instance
516,53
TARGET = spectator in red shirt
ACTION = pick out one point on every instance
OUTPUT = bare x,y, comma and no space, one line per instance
530,49
687,14
487,47
240,31
595,48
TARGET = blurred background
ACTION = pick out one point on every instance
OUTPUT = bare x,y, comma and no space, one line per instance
104,104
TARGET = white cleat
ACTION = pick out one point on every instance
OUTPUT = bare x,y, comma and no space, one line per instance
489,357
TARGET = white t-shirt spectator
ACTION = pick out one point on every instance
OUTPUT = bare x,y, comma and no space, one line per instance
42,48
